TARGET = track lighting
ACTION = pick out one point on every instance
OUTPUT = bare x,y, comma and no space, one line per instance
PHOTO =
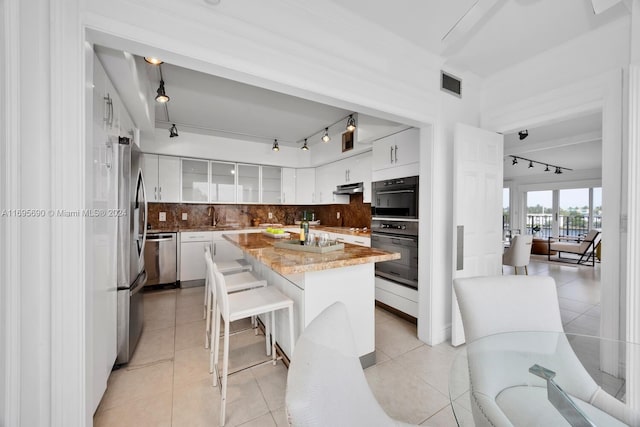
305,147
162,96
173,131
558,169
326,137
523,134
351,123
275,145
153,61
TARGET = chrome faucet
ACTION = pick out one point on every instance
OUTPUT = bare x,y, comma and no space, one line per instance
212,214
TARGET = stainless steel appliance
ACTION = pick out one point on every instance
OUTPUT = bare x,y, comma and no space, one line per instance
132,234
402,237
356,187
395,198
160,261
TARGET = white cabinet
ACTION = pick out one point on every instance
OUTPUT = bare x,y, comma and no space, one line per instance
305,186
402,148
357,169
271,185
289,185
195,180
248,184
354,240
162,178
192,265
327,178
222,185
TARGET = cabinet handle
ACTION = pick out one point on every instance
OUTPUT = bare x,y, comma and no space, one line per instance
108,119
214,249
155,193
159,193
359,241
391,154
396,154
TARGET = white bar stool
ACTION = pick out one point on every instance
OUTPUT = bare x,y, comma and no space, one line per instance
238,281
238,306
226,267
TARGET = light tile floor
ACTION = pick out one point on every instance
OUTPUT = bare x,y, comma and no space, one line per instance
167,381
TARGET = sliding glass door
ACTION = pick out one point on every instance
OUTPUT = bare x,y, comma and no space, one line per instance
540,218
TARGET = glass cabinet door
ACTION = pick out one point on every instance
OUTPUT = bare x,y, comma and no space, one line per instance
248,183
223,182
271,184
195,180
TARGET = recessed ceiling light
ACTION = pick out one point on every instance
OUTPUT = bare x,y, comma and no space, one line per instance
153,61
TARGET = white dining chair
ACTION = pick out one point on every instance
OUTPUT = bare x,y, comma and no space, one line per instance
519,252
507,304
326,385
241,305
236,281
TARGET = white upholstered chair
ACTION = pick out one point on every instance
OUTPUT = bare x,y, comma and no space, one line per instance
519,253
326,385
502,389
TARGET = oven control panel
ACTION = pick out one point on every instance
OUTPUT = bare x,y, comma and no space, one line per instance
394,226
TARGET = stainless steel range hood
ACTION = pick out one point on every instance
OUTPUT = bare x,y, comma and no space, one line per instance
354,188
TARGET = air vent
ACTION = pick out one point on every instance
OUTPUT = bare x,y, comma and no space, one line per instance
451,84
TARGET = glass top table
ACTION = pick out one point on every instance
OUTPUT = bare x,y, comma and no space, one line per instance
546,379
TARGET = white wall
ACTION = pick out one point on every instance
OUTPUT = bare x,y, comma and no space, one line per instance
436,225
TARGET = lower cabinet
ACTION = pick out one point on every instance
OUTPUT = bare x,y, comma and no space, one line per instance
400,297
192,266
193,269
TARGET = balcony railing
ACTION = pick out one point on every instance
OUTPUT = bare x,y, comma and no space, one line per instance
570,225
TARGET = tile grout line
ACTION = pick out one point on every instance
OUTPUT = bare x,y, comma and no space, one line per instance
173,366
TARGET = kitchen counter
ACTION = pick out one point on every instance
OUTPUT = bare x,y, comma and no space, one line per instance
314,228
315,281
286,261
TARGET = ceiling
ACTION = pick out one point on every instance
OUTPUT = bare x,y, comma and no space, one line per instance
204,103
506,33
575,144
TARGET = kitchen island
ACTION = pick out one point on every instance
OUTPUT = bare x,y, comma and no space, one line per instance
316,280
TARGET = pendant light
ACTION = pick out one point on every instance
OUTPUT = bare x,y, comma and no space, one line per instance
275,145
326,137
173,131
305,147
351,123
162,96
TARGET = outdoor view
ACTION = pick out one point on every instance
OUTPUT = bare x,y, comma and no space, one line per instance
573,212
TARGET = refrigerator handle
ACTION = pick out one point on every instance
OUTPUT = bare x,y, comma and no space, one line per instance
146,212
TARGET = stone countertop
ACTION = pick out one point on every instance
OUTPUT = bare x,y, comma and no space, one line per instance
285,261
340,230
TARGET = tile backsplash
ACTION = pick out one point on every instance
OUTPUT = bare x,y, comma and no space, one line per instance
355,214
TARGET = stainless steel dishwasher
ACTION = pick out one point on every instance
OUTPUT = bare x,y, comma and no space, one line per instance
160,259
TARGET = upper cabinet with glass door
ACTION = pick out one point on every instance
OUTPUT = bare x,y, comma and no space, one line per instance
223,182
195,180
271,184
248,183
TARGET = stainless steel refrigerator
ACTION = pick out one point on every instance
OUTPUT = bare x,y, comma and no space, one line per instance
132,235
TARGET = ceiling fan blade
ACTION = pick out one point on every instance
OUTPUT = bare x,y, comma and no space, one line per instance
600,6
469,20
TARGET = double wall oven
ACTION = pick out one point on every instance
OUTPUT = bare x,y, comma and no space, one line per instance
394,227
